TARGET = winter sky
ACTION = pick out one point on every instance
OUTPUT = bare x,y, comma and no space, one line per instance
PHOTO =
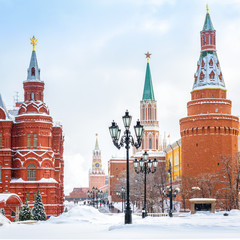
91,55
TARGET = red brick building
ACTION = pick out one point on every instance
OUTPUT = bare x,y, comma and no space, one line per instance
31,147
78,194
209,131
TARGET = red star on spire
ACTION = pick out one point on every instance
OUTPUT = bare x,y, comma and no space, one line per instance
148,55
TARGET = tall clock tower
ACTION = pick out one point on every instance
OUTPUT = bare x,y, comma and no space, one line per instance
96,174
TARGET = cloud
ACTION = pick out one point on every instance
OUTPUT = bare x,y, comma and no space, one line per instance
156,26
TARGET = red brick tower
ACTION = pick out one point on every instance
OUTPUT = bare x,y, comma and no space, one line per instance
32,156
209,131
96,174
148,115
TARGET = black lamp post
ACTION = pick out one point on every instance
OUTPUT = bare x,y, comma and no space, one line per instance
128,140
145,167
170,192
94,195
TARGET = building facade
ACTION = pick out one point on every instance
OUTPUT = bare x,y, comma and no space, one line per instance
31,147
174,156
209,131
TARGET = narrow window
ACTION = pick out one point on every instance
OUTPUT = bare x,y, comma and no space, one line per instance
212,75
143,113
150,143
32,96
149,113
142,144
34,141
31,172
0,141
33,71
204,40
27,196
157,144
34,196
28,141
209,38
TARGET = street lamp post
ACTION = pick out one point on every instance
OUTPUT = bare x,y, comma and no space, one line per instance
94,195
145,167
170,192
127,140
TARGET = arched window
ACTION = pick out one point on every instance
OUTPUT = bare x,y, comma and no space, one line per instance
33,71
143,113
31,172
28,141
0,173
150,143
32,96
157,144
149,113
204,39
209,38
0,141
34,141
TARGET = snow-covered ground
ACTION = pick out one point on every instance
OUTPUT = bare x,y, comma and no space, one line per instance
85,222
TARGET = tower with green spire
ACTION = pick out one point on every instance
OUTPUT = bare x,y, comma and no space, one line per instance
148,114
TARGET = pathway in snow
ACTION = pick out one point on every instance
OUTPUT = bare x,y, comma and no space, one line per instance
84,222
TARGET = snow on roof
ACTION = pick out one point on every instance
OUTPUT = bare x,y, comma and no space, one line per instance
5,196
43,180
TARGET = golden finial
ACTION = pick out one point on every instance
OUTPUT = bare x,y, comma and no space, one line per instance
207,9
33,42
148,56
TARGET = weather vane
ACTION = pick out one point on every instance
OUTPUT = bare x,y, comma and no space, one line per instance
148,56
33,42
207,8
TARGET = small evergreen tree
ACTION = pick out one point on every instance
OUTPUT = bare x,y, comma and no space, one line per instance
2,211
25,213
38,210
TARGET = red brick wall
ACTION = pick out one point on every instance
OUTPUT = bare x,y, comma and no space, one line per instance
207,134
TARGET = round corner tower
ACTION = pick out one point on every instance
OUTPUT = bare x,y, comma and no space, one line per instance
209,131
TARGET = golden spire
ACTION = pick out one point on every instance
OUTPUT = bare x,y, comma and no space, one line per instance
33,42
148,56
207,9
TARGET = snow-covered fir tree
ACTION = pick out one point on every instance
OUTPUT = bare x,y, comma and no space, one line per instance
25,213
38,210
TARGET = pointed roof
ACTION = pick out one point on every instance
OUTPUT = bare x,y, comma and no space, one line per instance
3,106
209,73
207,23
96,144
148,93
33,70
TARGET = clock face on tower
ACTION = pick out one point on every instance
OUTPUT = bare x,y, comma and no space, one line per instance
97,165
